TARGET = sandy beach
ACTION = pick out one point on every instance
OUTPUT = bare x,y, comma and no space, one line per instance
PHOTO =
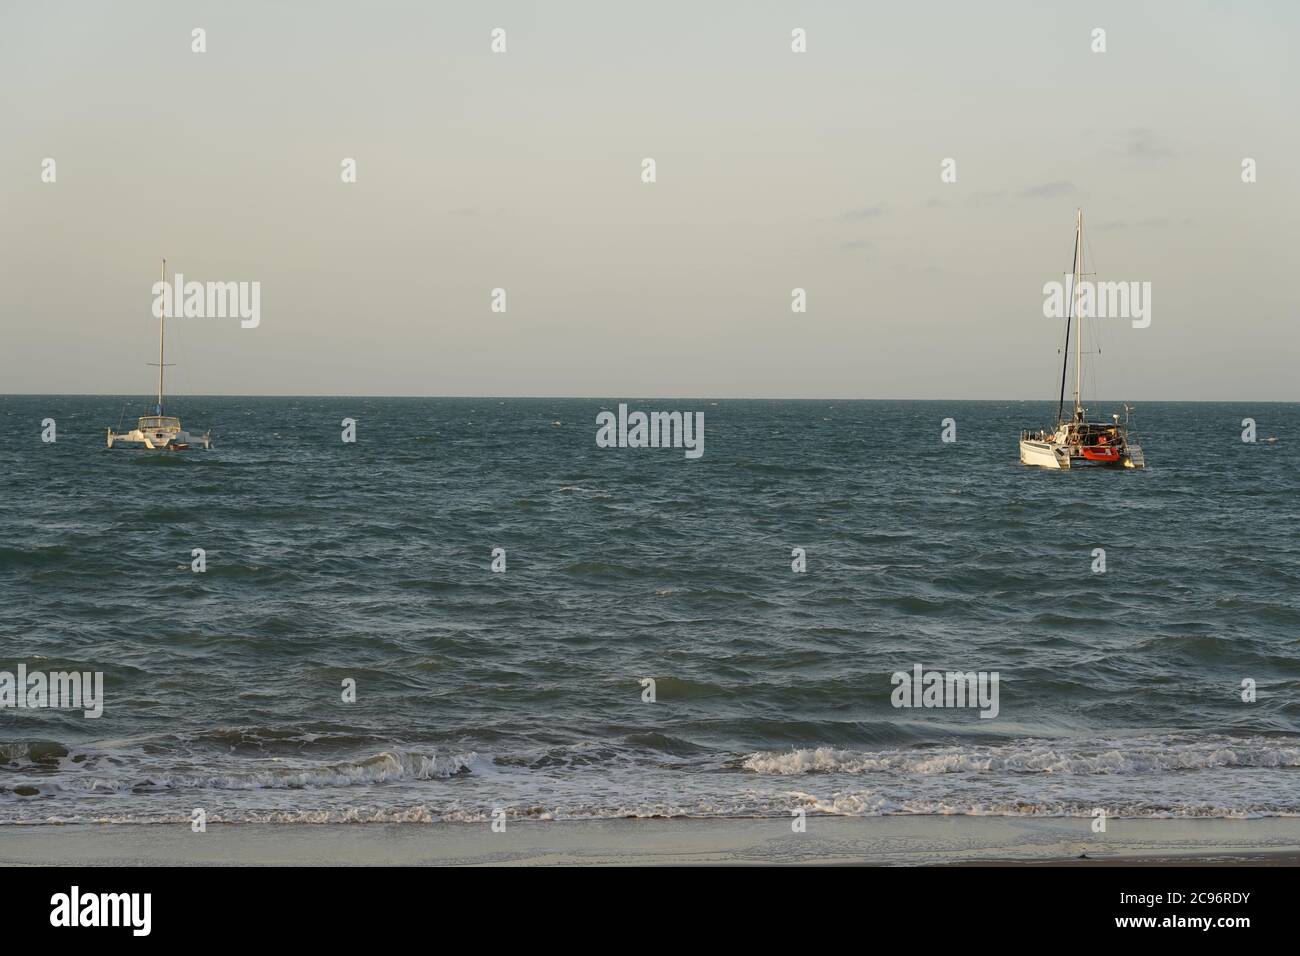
887,841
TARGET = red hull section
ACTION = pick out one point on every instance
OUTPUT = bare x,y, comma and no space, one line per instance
1101,454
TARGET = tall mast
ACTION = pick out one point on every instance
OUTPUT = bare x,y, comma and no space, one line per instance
1078,326
161,328
1069,314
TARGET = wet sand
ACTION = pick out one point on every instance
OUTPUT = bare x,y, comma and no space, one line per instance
888,841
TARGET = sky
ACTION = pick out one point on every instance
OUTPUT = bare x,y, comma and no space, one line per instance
522,171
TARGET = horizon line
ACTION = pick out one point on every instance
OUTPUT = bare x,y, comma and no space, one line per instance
634,398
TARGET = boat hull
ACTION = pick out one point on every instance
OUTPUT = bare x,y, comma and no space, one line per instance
1081,444
1044,454
153,441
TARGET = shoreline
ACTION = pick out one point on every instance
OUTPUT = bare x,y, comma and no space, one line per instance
883,841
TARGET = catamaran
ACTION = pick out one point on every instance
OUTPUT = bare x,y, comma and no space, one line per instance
159,431
1077,441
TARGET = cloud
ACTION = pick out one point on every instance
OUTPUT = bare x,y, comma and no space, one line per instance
979,197
865,212
1143,143
1048,190
1157,222
854,245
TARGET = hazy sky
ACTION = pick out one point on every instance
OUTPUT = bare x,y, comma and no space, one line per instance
522,170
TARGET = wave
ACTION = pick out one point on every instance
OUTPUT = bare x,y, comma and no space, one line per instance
865,804
872,804
383,767
1150,755
276,739
37,556
34,751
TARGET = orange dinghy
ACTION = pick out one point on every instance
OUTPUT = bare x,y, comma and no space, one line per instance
1101,454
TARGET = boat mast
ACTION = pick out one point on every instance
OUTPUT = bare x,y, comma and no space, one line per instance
1069,314
1078,326
161,327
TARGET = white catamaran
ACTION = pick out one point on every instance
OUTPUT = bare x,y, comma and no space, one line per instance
1075,441
159,431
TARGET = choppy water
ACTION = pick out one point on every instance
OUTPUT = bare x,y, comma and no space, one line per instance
522,690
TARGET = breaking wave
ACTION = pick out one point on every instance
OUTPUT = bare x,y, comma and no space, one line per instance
1150,755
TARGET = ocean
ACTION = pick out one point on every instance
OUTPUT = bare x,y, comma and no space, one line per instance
525,691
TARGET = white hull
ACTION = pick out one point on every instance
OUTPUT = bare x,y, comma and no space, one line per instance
159,432
1044,454
175,441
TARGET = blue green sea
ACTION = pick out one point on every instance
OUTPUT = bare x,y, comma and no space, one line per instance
524,690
